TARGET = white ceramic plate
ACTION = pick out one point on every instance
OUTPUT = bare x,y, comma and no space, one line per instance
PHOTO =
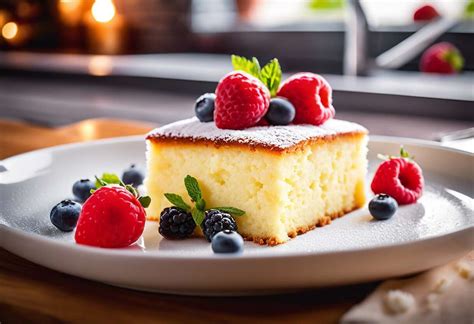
352,249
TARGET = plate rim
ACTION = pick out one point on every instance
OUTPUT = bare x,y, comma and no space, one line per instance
282,255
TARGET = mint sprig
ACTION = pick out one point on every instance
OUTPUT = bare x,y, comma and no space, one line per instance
109,179
231,210
198,212
403,154
177,201
270,74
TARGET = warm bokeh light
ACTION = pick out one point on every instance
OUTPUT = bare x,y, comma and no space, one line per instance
70,11
100,65
10,30
103,10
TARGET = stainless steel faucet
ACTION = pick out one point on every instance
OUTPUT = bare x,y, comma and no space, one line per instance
356,60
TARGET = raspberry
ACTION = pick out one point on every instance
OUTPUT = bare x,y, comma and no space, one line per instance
400,178
311,95
425,13
216,221
441,58
175,223
241,101
112,217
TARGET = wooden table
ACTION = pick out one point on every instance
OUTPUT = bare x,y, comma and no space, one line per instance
31,293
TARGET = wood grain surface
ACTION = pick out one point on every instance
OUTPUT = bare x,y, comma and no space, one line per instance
31,293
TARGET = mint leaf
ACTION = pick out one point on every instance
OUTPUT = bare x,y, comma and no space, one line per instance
231,210
192,186
201,204
198,216
177,201
271,76
404,153
252,67
144,201
107,178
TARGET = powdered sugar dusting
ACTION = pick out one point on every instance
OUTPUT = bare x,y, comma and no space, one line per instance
277,137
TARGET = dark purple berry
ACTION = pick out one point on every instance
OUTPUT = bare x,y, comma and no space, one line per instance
204,108
280,112
176,224
65,215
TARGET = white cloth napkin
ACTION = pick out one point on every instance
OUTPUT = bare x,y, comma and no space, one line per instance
441,295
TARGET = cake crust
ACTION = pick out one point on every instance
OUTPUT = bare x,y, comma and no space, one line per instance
270,138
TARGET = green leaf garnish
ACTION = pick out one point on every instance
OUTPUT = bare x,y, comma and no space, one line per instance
198,216
192,186
271,76
231,210
107,178
177,201
145,201
201,204
252,67
403,152
198,212
113,179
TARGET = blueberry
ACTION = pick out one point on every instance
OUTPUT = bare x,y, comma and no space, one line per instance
133,176
382,207
205,107
280,112
227,241
65,215
82,189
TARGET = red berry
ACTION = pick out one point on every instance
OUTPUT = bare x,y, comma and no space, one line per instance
241,101
441,58
311,95
400,178
112,217
425,13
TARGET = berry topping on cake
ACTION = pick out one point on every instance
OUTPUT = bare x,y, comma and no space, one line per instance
311,95
382,207
198,213
425,13
82,189
241,101
133,176
242,97
227,241
217,221
113,217
399,177
280,112
65,214
176,224
204,107
442,58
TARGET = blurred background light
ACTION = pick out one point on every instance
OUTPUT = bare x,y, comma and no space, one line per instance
10,30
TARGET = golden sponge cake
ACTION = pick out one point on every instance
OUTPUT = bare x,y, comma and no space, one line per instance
288,179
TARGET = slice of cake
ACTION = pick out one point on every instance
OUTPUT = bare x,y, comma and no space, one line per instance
288,179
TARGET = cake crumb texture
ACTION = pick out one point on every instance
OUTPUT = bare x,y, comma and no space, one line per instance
284,194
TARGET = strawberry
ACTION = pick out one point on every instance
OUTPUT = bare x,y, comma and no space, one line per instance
241,101
399,177
112,217
442,58
311,95
425,13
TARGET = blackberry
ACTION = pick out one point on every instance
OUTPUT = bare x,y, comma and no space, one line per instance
216,221
176,224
